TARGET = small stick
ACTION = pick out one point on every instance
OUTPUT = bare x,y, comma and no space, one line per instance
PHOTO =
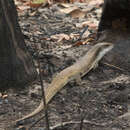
81,34
32,125
82,121
110,65
43,93
78,122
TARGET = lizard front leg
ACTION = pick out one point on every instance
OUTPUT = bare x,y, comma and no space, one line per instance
95,65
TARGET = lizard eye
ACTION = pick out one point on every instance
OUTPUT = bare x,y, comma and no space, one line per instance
107,45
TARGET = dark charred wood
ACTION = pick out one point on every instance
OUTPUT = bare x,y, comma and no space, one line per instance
16,65
117,12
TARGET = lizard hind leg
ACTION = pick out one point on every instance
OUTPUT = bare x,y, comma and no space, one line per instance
78,80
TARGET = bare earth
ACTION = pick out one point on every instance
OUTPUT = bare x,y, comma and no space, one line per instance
104,93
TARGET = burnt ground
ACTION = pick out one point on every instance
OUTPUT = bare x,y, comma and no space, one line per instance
102,96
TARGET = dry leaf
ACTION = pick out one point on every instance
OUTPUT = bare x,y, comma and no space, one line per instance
72,36
77,13
34,5
84,24
23,7
78,43
93,26
68,10
86,34
45,38
64,5
95,3
33,13
4,96
88,41
60,37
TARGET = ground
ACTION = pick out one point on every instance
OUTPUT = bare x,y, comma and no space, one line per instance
103,94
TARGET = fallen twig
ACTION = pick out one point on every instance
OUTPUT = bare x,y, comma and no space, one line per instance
78,122
35,122
43,94
113,66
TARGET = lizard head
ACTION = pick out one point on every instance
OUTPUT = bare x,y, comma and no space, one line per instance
103,48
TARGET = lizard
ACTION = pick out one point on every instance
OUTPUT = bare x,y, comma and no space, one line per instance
75,71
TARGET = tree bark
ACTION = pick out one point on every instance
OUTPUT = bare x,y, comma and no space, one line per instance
115,15
16,65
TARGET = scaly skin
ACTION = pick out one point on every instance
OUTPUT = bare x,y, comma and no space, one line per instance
78,70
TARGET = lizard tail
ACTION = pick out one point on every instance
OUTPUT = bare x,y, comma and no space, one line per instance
49,93
35,112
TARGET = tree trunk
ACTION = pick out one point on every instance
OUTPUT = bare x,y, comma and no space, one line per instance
16,65
115,15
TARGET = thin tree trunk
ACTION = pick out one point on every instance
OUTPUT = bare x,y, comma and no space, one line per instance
115,15
16,65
